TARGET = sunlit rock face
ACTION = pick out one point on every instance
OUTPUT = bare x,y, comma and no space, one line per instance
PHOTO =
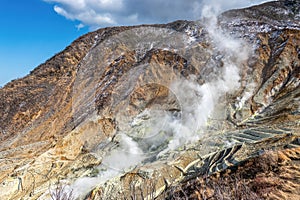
133,111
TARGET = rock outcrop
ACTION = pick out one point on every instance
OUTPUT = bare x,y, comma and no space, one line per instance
160,111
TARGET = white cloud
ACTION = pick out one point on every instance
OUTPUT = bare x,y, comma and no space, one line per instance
88,17
100,13
63,12
222,5
80,26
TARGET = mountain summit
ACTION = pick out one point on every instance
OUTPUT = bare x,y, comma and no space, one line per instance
185,110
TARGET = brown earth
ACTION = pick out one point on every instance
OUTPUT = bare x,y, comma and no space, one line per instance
60,121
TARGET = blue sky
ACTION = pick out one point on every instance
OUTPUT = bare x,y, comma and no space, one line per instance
32,31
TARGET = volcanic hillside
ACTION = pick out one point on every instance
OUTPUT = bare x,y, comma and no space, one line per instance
204,109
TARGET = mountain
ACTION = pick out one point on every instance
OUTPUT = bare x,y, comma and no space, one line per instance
166,111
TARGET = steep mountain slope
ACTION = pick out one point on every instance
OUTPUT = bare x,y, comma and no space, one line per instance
128,111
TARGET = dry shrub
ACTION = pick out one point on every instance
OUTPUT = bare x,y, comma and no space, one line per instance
226,188
60,192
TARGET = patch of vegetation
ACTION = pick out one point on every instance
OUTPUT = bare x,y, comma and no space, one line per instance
60,192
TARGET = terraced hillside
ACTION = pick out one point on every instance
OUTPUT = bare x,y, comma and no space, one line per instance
161,111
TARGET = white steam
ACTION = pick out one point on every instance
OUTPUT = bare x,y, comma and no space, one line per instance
200,102
126,155
155,132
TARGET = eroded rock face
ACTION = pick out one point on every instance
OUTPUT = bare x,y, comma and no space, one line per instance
141,109
273,175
